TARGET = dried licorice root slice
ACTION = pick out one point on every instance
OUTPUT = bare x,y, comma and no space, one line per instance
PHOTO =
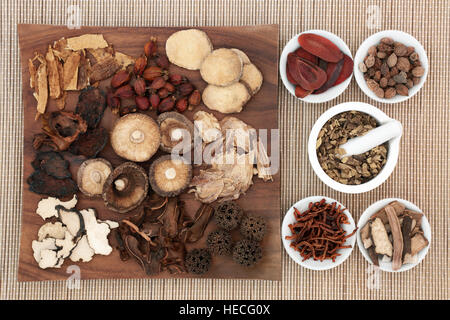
228,215
91,105
247,252
42,183
53,164
198,261
253,228
219,242
90,143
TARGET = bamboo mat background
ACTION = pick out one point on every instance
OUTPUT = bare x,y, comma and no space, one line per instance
421,175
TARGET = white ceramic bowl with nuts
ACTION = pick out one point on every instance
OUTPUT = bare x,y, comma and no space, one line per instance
398,36
332,92
392,155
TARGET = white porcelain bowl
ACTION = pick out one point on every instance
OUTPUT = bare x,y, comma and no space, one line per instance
387,266
392,157
331,93
374,39
289,218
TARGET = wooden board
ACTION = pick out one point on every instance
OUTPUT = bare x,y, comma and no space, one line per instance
263,198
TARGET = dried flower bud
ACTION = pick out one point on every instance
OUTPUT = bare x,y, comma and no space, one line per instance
158,83
142,103
124,92
150,47
176,79
153,72
140,65
170,87
195,98
154,100
163,93
162,61
166,105
185,89
181,104
139,86
120,78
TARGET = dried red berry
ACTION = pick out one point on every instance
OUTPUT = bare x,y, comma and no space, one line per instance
158,83
166,105
140,65
124,92
154,100
176,79
162,61
113,102
153,72
142,103
163,93
120,78
185,89
195,98
139,86
170,87
181,104
150,47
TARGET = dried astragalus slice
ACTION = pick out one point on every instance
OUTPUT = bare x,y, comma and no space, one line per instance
47,207
242,55
70,71
207,126
188,48
54,84
86,41
229,99
222,67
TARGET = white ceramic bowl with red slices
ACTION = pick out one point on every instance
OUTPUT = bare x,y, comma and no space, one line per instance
332,92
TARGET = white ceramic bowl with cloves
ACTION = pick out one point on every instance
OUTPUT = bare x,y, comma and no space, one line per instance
392,154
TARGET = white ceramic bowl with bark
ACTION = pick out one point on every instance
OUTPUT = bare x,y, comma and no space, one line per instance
373,40
332,92
387,266
289,218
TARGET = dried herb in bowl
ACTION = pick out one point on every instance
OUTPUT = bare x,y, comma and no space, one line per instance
356,169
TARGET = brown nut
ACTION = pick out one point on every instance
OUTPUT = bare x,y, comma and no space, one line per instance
120,78
403,64
418,71
390,93
401,89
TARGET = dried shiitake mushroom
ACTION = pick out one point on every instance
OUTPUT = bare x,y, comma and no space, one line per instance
222,67
252,78
125,188
91,176
169,177
135,137
174,128
226,99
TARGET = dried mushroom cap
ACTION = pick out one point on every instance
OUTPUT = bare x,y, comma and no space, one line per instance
174,128
207,126
169,177
135,137
91,176
219,242
228,99
198,261
252,78
253,228
242,55
188,48
125,188
247,252
228,215
222,67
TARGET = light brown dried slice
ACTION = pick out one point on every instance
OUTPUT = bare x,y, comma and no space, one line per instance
226,99
86,41
188,48
252,78
242,55
222,67
53,75
70,71
124,60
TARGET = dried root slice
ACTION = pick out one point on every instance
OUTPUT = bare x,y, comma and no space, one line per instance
381,238
222,67
91,176
72,219
188,48
97,233
169,177
49,259
207,126
82,252
86,41
226,99
54,230
66,244
242,55
47,207
39,246
252,78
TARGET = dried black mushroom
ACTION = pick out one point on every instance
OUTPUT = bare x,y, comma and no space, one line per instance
247,252
175,128
170,217
90,144
53,163
219,242
92,175
198,261
169,177
228,215
125,188
201,219
135,137
253,227
42,183
91,105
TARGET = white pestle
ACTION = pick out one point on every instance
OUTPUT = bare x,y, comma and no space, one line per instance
372,138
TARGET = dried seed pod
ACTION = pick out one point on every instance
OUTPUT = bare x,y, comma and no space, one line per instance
154,100
383,82
139,86
113,102
370,61
387,40
181,105
379,92
381,55
403,64
176,79
362,67
390,93
140,65
185,89
170,87
392,60
418,71
163,93
401,89
195,98
120,78
372,51
162,61
400,50
153,72
409,83
124,92
414,56
151,47
372,84
142,103
166,104
158,83
416,80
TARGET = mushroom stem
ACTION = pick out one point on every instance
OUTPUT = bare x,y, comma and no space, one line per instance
137,136
170,173
121,184
96,176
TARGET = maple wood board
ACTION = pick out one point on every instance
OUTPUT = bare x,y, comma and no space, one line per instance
260,43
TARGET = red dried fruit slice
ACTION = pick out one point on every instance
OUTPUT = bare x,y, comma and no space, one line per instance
301,93
323,65
289,77
333,71
305,73
347,70
320,47
302,53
